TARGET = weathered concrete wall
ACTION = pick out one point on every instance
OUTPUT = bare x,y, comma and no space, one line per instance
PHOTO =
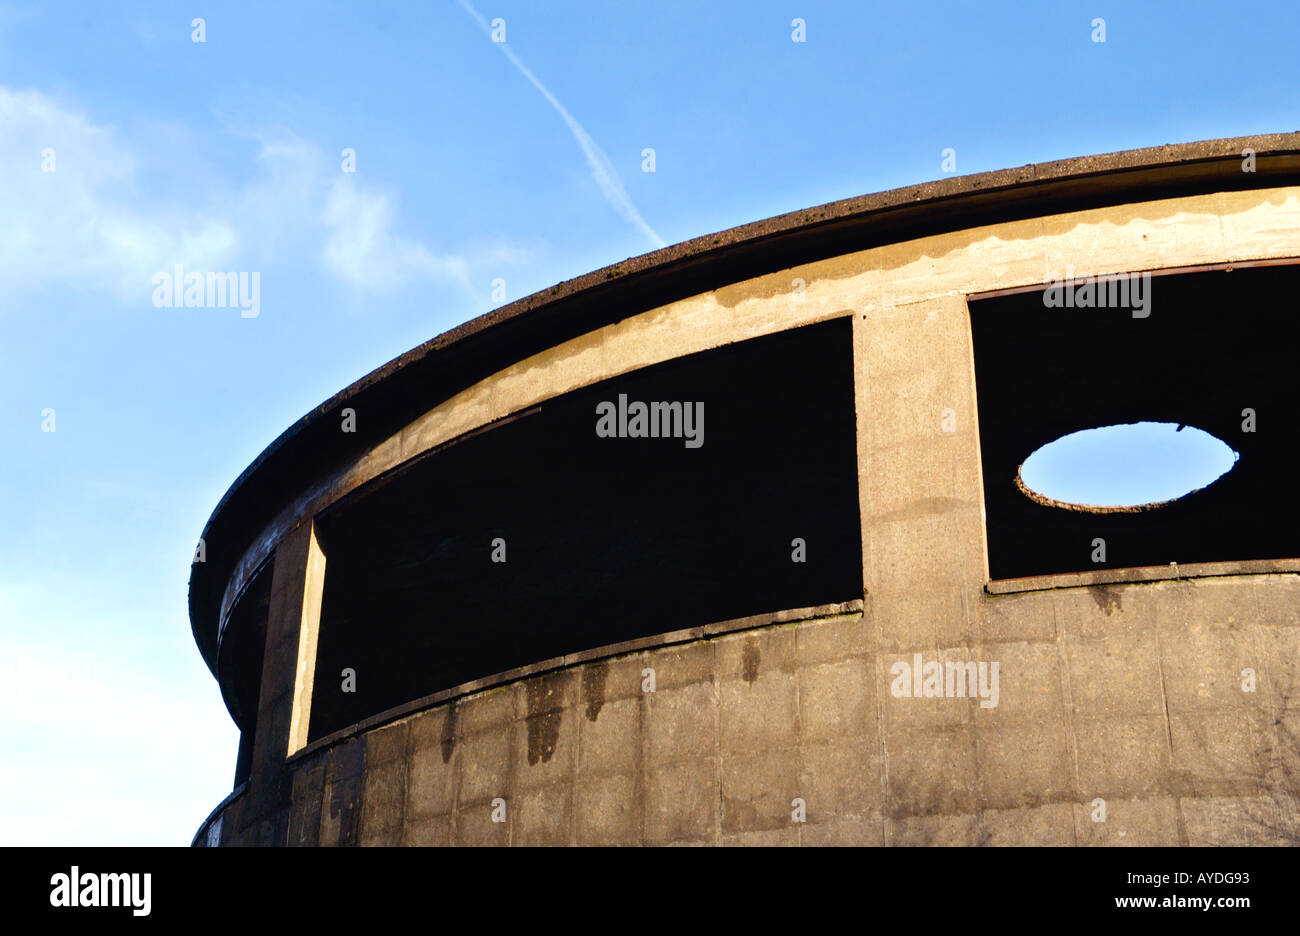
1129,693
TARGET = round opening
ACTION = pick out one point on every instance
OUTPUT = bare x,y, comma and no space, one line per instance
1127,467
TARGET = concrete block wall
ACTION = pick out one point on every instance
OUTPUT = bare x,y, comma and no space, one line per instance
1131,696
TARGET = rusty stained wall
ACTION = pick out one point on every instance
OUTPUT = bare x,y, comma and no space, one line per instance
1127,692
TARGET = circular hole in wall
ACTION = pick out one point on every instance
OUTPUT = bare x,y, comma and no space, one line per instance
1124,467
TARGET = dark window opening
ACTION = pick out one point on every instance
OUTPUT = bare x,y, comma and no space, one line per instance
605,539
1215,350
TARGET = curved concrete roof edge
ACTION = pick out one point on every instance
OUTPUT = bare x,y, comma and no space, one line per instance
1159,168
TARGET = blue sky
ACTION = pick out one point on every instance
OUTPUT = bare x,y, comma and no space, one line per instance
1127,464
226,155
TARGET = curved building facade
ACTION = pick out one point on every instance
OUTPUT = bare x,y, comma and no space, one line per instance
728,543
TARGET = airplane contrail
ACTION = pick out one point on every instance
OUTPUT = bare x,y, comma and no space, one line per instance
602,170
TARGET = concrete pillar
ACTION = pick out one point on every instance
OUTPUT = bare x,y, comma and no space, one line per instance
284,703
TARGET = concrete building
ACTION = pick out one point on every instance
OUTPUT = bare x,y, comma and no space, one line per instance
725,543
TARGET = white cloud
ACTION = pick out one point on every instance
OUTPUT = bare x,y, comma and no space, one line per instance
299,181
78,223
363,251
88,224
